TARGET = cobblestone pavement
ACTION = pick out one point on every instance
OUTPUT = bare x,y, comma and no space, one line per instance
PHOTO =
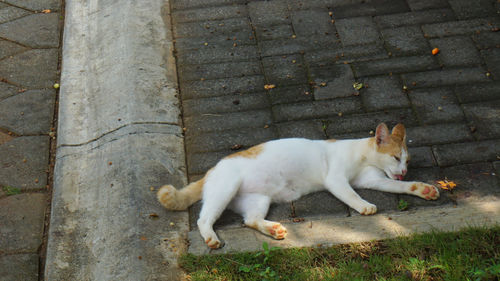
29,55
313,51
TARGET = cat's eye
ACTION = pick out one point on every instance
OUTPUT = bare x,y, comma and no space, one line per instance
397,158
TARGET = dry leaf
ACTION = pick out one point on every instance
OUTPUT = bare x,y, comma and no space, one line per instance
46,11
357,86
269,86
447,185
435,51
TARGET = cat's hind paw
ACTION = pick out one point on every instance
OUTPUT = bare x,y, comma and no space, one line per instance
277,231
425,191
213,243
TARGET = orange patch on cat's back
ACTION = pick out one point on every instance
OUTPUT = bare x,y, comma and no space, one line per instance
252,152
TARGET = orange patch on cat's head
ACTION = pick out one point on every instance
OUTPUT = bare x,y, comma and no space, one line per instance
392,143
252,152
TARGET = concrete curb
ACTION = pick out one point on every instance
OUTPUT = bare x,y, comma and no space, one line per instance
119,133
326,231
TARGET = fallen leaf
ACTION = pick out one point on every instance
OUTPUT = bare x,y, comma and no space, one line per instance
447,185
269,86
435,51
46,11
357,86
153,215
143,238
236,147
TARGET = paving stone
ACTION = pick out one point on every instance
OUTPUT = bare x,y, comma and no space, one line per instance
19,267
290,94
28,113
463,75
305,5
228,218
492,59
209,13
438,134
318,204
436,105
383,92
332,82
309,129
207,29
225,104
456,51
53,5
308,23
413,18
281,212
478,92
224,140
282,70
288,46
224,86
355,10
368,121
235,120
36,30
217,54
245,37
485,40
273,32
404,41
32,69
188,4
8,13
416,5
468,152
355,31
346,55
465,9
484,118
200,163
430,176
316,109
29,174
217,70
474,182
7,90
460,27
9,48
22,219
265,13
394,65
421,157
383,200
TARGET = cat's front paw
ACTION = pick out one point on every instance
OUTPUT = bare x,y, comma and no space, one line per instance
368,209
426,191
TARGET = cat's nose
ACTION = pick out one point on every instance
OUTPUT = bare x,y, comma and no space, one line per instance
404,172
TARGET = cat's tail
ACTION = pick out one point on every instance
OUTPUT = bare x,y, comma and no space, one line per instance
179,200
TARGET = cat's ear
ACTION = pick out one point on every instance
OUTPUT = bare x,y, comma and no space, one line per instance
399,131
382,134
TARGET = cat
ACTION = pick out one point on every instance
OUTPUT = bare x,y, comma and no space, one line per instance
283,170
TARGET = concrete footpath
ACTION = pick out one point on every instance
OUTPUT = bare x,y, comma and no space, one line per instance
155,93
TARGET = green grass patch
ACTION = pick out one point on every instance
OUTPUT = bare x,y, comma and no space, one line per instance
9,190
470,254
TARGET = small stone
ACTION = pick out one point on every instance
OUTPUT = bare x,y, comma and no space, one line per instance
440,108
110,163
340,114
152,188
172,224
206,44
294,36
266,126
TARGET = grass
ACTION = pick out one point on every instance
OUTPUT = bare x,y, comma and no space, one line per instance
470,254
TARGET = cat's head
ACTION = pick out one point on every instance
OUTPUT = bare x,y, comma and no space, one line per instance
392,153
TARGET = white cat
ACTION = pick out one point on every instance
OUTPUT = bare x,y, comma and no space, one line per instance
284,170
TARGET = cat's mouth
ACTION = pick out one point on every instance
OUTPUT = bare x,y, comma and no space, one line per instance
398,177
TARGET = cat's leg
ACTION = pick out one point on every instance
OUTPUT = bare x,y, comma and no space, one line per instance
372,178
219,189
253,207
339,186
